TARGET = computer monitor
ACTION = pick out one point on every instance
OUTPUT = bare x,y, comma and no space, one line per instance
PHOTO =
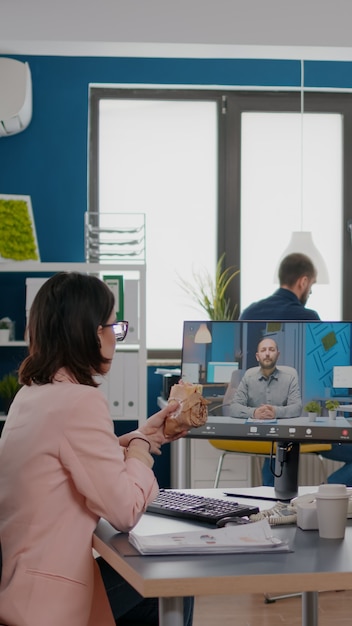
321,354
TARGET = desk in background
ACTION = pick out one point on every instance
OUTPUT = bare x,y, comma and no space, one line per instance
315,564
345,408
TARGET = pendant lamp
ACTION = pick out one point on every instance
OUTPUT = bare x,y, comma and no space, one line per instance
203,334
302,241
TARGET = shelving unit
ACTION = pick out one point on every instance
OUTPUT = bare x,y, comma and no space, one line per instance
126,384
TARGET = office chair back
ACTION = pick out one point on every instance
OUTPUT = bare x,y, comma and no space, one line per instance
236,378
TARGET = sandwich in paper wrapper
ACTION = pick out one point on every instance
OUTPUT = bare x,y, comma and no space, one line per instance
192,411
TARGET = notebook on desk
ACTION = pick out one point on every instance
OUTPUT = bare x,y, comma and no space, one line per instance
251,538
254,537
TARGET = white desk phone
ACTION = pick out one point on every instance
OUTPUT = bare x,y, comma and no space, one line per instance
301,511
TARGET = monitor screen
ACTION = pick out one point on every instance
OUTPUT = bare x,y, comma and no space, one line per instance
220,371
342,376
314,357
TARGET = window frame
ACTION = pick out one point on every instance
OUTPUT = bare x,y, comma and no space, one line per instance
230,105
316,102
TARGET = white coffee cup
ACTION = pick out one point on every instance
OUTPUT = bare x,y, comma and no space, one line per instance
332,508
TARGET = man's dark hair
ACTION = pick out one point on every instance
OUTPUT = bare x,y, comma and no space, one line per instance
62,329
293,267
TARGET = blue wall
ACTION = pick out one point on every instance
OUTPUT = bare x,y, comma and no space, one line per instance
48,161
327,344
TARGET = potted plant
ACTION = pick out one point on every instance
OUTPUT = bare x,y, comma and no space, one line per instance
5,330
211,295
313,409
332,406
9,386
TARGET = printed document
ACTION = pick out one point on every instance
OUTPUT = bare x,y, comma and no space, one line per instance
252,537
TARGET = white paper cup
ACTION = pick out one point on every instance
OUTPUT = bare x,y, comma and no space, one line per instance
332,508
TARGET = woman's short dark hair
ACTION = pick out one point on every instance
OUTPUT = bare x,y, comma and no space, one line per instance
293,267
62,328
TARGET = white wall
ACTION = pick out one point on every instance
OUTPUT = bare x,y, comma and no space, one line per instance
109,26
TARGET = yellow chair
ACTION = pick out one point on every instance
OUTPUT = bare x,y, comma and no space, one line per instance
261,449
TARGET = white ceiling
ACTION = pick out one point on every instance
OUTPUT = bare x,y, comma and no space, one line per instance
177,27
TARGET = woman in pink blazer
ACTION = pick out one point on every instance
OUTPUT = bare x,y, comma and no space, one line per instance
62,467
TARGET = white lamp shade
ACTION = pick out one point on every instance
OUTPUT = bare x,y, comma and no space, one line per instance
203,334
302,241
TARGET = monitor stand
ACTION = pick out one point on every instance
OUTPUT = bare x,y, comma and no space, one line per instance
286,470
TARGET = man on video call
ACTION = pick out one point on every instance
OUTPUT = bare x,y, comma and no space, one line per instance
267,392
297,275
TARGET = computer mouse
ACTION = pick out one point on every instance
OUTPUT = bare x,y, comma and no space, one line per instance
232,521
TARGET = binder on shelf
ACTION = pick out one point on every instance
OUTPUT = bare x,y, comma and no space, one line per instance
32,287
132,310
115,283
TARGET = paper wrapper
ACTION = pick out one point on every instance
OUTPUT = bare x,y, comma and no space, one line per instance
192,411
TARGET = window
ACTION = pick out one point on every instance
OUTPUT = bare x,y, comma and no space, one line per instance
273,204
182,158
159,157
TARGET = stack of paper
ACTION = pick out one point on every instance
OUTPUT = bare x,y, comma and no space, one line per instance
254,537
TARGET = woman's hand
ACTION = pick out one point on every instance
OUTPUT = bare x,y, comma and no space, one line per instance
153,429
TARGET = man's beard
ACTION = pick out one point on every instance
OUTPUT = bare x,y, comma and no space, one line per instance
304,297
266,365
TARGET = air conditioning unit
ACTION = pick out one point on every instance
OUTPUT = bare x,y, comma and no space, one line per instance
15,96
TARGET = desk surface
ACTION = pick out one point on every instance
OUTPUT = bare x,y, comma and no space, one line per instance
315,564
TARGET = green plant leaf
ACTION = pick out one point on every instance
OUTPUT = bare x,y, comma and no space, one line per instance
210,295
313,407
9,386
331,405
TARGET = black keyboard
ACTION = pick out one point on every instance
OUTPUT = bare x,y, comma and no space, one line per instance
197,508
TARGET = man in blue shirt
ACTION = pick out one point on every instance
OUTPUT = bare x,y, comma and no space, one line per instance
297,275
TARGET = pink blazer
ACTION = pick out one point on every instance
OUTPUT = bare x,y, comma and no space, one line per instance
61,469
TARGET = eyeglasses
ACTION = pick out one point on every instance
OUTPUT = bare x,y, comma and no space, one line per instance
120,329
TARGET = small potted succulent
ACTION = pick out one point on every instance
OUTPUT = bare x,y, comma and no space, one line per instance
5,330
313,409
332,406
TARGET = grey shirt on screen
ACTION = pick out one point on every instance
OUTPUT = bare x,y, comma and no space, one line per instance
281,390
